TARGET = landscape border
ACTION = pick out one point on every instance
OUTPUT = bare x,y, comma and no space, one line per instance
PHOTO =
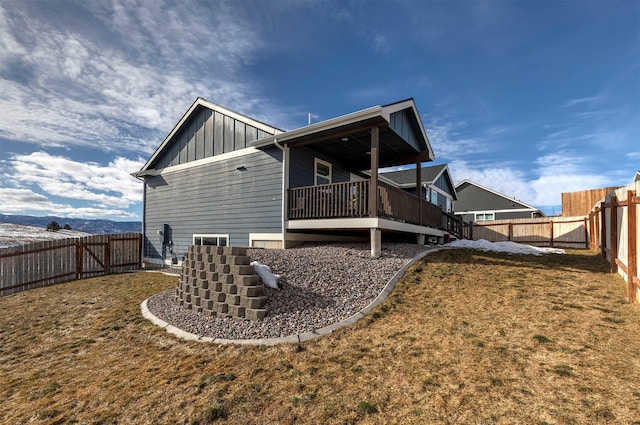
291,339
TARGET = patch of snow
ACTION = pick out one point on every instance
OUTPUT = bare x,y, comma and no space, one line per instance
509,247
264,271
17,234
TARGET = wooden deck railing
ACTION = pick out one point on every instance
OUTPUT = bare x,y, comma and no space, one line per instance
351,199
337,200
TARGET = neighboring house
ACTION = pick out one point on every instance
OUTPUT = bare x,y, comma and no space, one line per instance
437,184
477,203
223,178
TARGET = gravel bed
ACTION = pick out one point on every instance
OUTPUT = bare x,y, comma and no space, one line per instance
321,285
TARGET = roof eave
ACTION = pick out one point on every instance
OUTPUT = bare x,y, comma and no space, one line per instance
344,120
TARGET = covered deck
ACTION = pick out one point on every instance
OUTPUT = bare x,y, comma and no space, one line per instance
360,144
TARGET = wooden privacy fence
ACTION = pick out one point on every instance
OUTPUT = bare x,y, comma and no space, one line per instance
614,224
564,232
46,263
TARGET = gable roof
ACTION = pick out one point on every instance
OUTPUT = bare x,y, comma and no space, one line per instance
514,201
204,103
407,178
402,135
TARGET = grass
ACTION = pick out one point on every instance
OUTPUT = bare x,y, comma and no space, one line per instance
466,337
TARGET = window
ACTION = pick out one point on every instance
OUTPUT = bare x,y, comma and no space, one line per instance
215,240
449,205
322,172
434,197
485,216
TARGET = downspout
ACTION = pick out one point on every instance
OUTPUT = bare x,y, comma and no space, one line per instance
144,209
284,150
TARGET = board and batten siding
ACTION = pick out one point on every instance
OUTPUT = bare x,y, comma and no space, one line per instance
444,184
301,167
205,134
215,198
401,123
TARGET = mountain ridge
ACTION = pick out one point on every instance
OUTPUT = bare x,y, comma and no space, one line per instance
92,226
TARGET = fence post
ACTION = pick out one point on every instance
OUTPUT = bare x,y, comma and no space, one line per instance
509,236
613,232
141,247
551,235
603,229
107,255
632,253
78,259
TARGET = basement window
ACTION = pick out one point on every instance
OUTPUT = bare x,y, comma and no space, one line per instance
214,240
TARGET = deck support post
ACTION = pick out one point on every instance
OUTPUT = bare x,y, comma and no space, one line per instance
375,161
376,234
419,187
376,242
421,239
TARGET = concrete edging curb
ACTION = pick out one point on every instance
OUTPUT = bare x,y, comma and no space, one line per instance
291,339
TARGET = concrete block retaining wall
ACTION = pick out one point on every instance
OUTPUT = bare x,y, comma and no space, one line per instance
218,281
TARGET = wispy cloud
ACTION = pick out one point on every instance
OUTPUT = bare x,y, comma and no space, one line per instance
591,100
502,178
85,90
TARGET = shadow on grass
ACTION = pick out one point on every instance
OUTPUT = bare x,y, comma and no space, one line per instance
573,260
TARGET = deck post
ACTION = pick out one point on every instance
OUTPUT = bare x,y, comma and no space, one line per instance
376,242
375,161
421,239
419,188
376,234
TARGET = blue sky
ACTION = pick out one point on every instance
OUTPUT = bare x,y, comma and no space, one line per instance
529,98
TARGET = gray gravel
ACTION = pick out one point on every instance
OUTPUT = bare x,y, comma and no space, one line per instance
322,285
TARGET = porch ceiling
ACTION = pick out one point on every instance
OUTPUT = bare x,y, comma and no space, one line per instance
351,145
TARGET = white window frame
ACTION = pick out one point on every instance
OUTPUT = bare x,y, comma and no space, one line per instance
431,197
217,236
487,216
316,175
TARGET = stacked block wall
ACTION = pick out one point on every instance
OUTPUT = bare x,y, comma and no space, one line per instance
218,281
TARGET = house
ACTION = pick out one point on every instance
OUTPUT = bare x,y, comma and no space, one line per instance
437,185
478,203
223,178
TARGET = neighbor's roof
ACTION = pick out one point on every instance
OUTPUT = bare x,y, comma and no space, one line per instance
469,182
408,177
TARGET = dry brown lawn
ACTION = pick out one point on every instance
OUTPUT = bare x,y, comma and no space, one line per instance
466,337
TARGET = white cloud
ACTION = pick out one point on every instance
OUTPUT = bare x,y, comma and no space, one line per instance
448,142
21,200
501,178
107,188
